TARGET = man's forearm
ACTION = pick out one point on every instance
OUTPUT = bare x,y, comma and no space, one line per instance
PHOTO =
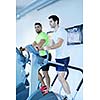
54,46
34,44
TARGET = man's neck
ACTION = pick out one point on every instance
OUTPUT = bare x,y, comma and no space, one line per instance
56,28
39,32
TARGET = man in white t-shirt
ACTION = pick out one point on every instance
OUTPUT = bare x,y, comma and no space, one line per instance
62,56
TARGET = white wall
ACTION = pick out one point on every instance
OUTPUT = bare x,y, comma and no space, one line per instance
70,13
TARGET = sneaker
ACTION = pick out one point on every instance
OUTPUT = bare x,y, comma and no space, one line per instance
44,90
65,98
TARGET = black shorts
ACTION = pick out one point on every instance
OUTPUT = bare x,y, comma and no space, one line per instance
46,67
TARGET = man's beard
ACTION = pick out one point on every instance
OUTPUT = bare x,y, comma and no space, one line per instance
39,32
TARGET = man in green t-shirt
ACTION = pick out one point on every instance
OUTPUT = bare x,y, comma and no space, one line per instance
40,42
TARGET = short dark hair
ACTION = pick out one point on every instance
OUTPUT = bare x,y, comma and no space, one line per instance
38,24
55,18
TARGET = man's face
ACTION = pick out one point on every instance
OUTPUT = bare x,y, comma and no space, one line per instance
38,28
52,23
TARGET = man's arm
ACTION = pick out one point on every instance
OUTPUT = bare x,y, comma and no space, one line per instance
40,44
56,45
34,43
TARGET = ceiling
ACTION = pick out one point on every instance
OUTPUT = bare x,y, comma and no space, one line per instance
20,4
25,6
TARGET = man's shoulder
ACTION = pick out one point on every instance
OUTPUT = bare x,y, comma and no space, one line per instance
43,34
60,29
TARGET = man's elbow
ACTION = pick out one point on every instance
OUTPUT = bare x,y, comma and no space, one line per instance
59,45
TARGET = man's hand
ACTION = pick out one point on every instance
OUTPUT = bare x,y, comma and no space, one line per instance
56,45
36,47
47,48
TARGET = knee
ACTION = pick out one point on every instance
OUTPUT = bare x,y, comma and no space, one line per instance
45,73
60,78
39,76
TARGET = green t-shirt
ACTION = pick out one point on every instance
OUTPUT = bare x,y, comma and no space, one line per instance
44,36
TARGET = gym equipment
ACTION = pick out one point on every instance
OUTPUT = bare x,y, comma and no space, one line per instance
36,94
21,61
22,92
22,89
36,63
54,96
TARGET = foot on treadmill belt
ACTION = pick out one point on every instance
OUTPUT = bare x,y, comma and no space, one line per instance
44,89
65,98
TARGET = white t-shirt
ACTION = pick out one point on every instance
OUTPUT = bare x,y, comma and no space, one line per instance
61,52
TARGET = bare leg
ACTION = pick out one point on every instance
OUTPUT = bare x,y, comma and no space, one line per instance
64,83
45,73
41,79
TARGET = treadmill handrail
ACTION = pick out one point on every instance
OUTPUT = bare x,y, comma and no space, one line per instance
69,66
76,68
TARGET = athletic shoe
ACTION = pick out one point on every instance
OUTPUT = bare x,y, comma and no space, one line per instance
65,98
44,89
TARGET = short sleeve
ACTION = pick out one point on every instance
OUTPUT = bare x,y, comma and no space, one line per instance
61,34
